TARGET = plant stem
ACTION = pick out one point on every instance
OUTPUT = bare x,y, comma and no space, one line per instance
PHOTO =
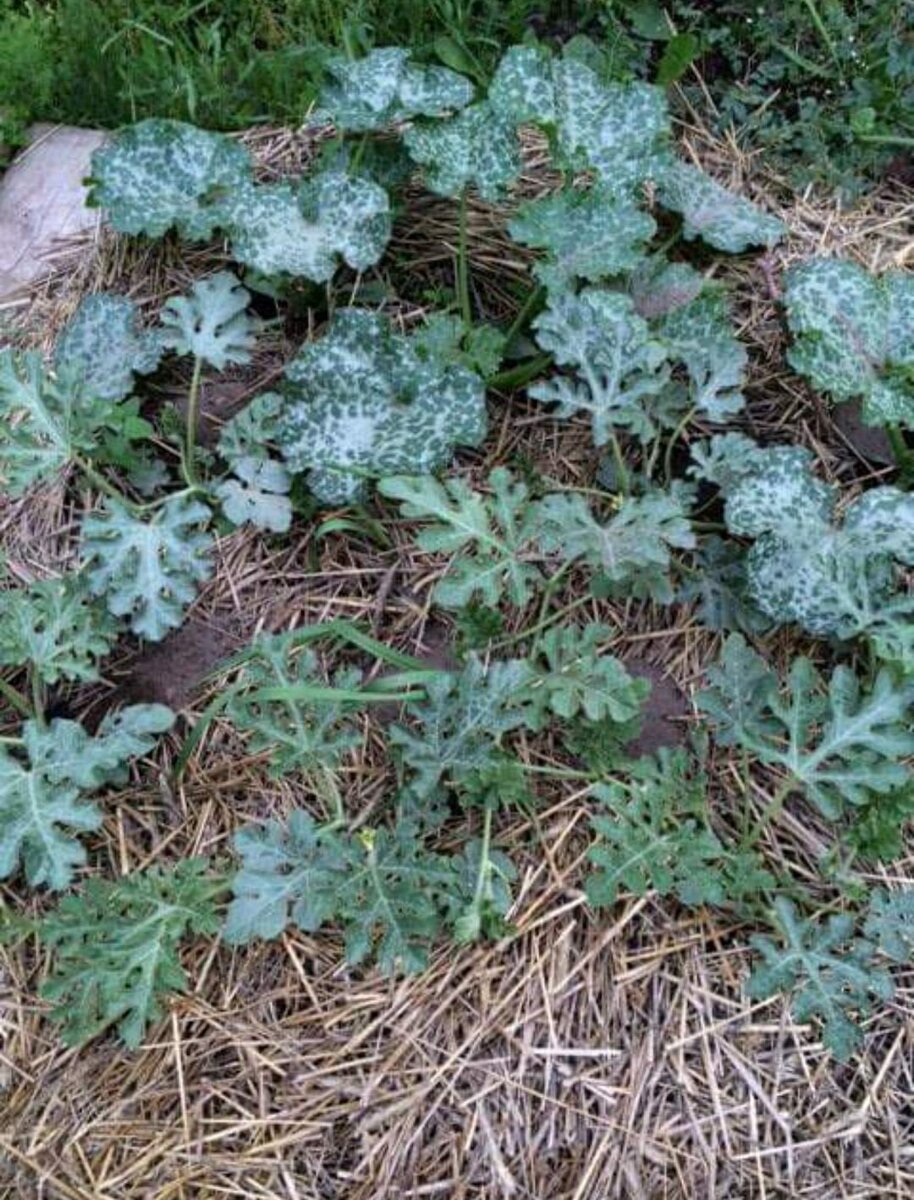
513,638
485,866
514,377
619,461
190,432
671,444
885,139
15,699
37,696
463,268
529,306
101,483
904,459
816,19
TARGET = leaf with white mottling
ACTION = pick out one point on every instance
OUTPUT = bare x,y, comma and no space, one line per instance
103,345
854,335
363,404
588,234
211,322
721,218
258,495
384,88
305,229
160,174
477,147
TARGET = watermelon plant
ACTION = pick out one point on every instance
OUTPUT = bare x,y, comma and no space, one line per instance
629,345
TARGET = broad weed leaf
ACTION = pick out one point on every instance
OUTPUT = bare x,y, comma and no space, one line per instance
147,569
631,551
45,421
305,229
489,536
476,148
211,323
104,347
725,221
838,744
56,628
611,348
853,335
828,973
621,130
522,89
834,580
384,88
160,174
779,494
590,234
116,948
362,404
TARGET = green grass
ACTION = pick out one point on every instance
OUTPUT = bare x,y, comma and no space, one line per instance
231,63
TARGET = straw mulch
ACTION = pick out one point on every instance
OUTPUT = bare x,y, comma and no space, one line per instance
589,1056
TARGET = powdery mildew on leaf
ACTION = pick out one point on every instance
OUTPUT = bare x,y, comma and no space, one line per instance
304,229
361,404
588,234
104,347
147,569
160,174
618,361
854,335
722,219
384,88
211,322
478,147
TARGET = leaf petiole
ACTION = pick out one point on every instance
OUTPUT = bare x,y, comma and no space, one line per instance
190,432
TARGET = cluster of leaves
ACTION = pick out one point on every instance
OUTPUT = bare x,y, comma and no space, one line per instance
641,346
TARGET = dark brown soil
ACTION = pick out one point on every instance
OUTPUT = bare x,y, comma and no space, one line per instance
665,714
869,441
171,671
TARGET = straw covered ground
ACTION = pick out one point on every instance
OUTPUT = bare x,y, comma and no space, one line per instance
588,1056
